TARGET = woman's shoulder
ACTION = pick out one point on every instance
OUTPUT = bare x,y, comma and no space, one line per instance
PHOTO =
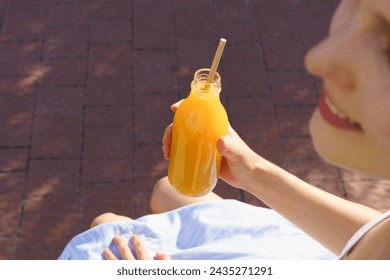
375,245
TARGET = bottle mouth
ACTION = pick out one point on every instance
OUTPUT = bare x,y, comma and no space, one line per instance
200,82
202,74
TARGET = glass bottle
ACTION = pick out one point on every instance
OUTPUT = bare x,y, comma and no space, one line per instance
198,123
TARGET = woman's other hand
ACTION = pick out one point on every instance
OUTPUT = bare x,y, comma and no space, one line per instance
166,141
141,252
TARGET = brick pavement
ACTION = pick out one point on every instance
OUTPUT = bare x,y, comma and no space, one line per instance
85,87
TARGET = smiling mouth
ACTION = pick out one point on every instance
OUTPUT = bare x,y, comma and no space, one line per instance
334,116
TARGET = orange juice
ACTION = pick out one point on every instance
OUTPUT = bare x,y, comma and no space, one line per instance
198,123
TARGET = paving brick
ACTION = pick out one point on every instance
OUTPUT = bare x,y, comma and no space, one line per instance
21,49
262,136
369,191
150,166
232,10
242,53
8,248
155,113
23,66
23,26
252,107
64,72
141,204
154,105
65,42
310,10
110,31
48,178
75,13
282,26
57,142
60,101
253,200
109,91
16,109
112,60
57,123
28,5
49,224
108,141
194,21
108,116
12,186
106,197
318,85
108,168
195,52
151,6
150,130
282,53
13,159
51,203
294,121
111,9
9,223
2,5
314,33
13,87
226,191
15,134
318,173
297,148
335,3
154,72
292,88
233,31
43,254
153,30
244,79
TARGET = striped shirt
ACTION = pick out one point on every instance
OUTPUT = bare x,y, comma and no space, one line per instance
226,229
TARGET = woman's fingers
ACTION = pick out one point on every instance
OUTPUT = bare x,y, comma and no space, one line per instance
176,105
166,141
140,249
109,255
162,256
167,137
125,253
123,248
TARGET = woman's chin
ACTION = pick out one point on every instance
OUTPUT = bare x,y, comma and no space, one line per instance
348,149
327,142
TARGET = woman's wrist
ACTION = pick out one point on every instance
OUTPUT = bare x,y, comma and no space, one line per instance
262,171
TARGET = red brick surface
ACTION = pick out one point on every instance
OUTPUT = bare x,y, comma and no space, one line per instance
85,90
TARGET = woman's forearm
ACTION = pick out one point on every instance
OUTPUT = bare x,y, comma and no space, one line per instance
329,219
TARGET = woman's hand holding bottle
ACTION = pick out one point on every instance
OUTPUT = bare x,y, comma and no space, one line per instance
239,162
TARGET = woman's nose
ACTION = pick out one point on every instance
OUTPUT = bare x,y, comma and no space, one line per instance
330,61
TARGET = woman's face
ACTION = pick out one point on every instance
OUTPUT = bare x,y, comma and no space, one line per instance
351,125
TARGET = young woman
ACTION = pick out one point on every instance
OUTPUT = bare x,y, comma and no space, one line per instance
350,128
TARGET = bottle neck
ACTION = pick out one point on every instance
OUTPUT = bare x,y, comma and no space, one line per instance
200,85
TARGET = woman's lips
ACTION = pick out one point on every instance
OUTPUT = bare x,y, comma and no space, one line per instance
333,116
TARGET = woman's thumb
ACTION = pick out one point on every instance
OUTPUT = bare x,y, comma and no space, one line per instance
227,148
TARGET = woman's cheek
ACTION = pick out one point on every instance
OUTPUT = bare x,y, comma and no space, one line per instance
378,124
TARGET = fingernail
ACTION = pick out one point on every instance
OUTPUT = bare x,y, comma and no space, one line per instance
116,239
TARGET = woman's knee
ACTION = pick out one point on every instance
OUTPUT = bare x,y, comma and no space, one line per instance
158,193
107,218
